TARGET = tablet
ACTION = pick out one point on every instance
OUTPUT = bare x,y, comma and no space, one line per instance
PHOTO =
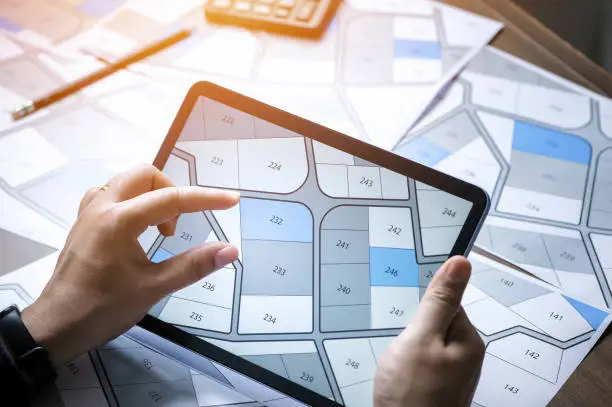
338,240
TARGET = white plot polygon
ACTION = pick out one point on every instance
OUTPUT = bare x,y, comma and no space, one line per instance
234,53
243,382
148,237
333,179
214,289
379,345
358,394
216,161
272,165
291,70
504,385
602,244
415,29
394,185
465,29
351,360
24,221
8,49
196,315
533,355
473,163
224,122
480,173
409,70
581,285
571,358
415,7
472,294
391,227
209,392
393,307
364,182
498,93
439,240
34,276
552,106
275,314
441,216
10,297
539,205
441,209
229,221
25,155
325,154
480,313
554,315
177,170
78,373
322,105
501,130
383,112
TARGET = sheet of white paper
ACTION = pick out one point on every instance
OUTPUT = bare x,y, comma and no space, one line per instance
540,146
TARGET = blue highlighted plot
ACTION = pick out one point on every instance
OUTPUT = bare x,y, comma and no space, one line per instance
264,219
534,139
416,49
9,25
161,255
594,316
393,267
422,151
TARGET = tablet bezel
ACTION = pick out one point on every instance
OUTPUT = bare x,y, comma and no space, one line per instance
478,197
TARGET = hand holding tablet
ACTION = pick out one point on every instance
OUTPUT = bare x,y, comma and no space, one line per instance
338,241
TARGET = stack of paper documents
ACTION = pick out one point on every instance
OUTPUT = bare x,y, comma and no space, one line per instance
372,76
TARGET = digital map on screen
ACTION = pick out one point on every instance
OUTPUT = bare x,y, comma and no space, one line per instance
331,247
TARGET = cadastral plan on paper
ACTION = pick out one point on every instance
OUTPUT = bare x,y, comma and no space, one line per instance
371,75
122,373
542,148
84,140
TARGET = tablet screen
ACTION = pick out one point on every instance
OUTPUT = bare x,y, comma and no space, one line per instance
335,252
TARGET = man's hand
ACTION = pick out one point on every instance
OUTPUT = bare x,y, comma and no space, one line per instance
436,361
103,282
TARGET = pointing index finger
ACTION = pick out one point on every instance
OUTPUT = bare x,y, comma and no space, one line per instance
161,205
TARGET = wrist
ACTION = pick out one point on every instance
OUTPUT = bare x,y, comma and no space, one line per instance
45,334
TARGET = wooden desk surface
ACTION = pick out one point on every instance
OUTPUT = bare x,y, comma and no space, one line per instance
525,37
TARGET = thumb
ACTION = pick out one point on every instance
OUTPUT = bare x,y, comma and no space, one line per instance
194,264
442,299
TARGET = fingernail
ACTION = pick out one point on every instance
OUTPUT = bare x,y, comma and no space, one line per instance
458,271
226,256
235,195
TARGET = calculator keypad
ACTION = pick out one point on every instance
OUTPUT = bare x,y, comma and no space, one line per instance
292,17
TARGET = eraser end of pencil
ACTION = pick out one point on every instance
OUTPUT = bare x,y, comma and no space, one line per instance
22,111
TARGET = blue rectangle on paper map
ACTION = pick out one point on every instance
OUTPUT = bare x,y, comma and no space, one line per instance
530,138
422,151
9,25
393,267
100,8
417,49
